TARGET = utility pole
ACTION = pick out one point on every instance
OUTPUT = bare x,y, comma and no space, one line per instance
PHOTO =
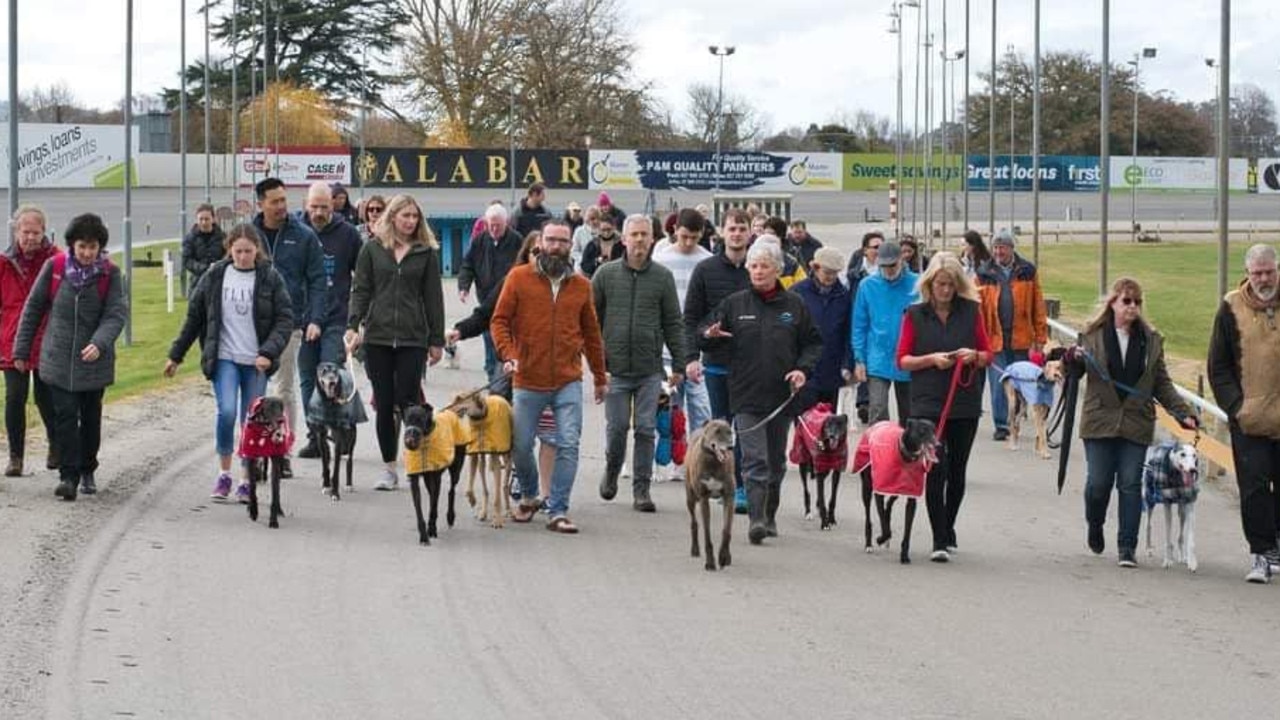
128,172
1224,137
235,107
1035,145
964,163
991,133
182,119
915,134
1134,174
721,52
1013,163
13,107
1104,130
208,107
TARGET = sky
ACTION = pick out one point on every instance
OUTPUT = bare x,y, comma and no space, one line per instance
797,62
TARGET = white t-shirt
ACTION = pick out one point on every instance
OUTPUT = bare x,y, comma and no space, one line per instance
681,265
238,341
1123,336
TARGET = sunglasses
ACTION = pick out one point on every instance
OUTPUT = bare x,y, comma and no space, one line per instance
373,210
1131,301
873,247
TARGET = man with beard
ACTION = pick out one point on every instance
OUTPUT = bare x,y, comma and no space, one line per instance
1244,370
543,325
639,312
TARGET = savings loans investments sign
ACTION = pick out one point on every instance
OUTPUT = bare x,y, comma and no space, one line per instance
450,168
68,156
677,170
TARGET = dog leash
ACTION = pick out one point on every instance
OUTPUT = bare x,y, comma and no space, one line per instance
957,381
488,386
772,415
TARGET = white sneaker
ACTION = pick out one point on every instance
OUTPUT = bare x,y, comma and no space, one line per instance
677,472
389,481
1260,573
626,470
940,556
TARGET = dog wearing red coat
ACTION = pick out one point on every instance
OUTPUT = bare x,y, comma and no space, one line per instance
894,462
820,448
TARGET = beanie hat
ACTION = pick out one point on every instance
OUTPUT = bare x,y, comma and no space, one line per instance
1004,237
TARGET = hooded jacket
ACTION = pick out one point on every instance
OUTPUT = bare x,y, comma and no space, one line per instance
296,254
201,249
400,304
341,244
272,317
1030,320
877,321
76,317
831,313
17,277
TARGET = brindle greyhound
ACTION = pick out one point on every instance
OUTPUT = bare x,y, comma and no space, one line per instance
334,415
709,476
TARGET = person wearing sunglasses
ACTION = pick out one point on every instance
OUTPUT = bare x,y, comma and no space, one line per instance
1126,377
370,212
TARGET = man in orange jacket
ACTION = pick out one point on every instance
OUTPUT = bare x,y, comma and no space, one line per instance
1010,284
544,323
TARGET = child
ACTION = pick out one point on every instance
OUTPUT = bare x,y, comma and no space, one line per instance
671,437
81,297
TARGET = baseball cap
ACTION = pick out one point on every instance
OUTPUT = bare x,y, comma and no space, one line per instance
890,253
1004,237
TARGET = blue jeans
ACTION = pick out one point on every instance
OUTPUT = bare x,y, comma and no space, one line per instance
999,403
697,403
329,348
566,404
490,356
232,382
1114,462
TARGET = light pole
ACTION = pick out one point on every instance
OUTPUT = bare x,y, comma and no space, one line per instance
1013,58
208,106
1104,140
948,107
721,52
991,133
1035,143
13,107
512,44
964,163
915,132
1212,64
1224,133
1134,175
128,172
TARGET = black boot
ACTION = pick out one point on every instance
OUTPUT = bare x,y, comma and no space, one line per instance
641,500
757,498
15,466
311,450
66,489
771,511
286,468
87,485
53,460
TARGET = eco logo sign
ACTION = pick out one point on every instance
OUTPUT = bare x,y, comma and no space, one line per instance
1133,175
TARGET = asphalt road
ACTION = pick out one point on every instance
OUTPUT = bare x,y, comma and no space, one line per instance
155,212
179,607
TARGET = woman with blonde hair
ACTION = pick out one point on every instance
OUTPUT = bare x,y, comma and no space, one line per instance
398,276
1126,372
944,329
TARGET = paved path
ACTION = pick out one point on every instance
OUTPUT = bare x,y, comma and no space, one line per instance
180,607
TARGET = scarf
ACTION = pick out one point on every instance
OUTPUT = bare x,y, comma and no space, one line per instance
1130,371
1254,302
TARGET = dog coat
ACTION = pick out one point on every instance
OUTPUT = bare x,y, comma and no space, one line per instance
890,475
492,434
662,453
1029,379
679,439
436,451
1162,482
807,447
322,411
265,441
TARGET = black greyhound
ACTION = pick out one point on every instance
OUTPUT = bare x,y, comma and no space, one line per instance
334,413
915,449
820,449
265,441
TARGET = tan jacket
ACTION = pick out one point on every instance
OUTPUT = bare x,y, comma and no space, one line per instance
1106,416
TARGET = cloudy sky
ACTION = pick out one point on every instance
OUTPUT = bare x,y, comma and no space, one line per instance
799,61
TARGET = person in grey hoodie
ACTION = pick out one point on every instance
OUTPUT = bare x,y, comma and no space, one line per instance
639,312
297,255
81,297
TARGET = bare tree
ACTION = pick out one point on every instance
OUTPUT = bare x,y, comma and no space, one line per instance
743,125
53,104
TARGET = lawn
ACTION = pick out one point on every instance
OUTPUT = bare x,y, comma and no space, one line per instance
1179,282
139,365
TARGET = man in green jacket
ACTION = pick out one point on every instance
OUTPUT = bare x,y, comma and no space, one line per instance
639,310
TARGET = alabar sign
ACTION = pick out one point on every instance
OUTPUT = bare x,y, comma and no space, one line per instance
451,168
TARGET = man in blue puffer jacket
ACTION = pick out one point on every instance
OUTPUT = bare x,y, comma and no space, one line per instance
297,255
877,320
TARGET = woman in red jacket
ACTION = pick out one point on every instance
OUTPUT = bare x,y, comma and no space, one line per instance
18,270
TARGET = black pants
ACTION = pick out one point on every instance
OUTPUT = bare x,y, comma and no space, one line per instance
944,488
77,428
16,387
1257,467
396,375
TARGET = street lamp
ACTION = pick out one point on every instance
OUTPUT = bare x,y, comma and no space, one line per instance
1134,175
948,107
512,43
1212,64
722,52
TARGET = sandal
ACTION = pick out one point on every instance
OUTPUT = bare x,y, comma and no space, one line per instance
525,511
562,524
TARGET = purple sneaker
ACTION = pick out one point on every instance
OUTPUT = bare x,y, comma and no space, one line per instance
242,493
222,487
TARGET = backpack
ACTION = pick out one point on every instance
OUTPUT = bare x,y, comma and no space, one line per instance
60,269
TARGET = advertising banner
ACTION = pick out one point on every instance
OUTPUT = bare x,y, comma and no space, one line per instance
1058,173
873,171
1268,176
1164,173
297,166
68,156
686,170
450,168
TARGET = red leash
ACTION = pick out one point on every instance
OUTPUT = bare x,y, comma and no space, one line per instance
957,381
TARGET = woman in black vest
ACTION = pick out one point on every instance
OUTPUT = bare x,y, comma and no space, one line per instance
945,328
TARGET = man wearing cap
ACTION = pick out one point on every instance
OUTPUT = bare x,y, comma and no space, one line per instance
829,305
573,216
1011,284
881,300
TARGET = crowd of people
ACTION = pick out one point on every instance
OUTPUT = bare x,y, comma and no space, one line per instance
745,317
